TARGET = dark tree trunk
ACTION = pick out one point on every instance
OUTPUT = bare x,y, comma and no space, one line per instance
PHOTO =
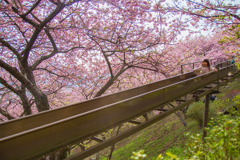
41,100
104,88
42,103
62,154
110,82
25,102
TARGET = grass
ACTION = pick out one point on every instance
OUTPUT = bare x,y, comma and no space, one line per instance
160,136
165,135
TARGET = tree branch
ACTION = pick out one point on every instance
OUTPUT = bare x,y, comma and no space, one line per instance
5,113
40,60
111,81
6,44
26,51
212,8
31,9
55,49
145,68
50,72
14,72
15,10
4,82
108,63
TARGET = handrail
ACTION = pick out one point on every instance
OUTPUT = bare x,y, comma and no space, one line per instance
219,60
80,126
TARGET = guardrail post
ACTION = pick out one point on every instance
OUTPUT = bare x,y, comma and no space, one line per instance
218,67
227,73
205,118
181,69
193,65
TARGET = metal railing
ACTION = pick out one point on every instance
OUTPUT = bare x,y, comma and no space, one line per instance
213,61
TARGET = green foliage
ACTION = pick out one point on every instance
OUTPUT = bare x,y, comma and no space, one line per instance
138,155
177,150
236,100
222,142
165,134
196,110
220,104
232,36
161,136
220,95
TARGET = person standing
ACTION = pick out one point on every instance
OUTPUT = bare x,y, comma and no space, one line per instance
233,60
205,68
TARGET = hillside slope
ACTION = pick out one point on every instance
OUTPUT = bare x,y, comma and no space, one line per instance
167,134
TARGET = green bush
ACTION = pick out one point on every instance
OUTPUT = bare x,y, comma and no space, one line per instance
196,110
236,100
222,142
220,104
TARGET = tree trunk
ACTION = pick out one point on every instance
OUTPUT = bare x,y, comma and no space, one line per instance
42,103
182,120
113,146
62,154
110,82
25,102
178,114
105,87
41,100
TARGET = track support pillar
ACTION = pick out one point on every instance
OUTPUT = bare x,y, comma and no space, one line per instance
205,118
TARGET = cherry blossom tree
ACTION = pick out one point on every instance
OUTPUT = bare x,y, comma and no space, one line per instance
210,14
51,47
231,42
219,12
59,48
26,43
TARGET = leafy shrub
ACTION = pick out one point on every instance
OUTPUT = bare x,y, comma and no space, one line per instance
236,100
220,104
196,110
222,142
